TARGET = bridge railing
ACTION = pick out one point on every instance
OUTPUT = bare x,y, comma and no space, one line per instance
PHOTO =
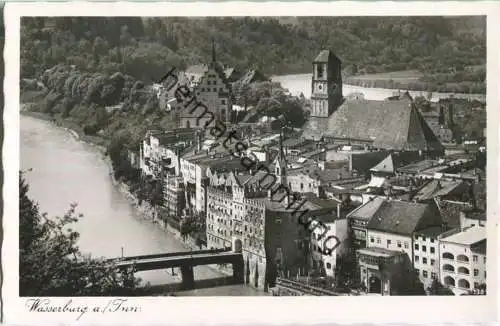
173,254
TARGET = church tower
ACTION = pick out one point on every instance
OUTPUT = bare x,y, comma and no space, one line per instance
326,92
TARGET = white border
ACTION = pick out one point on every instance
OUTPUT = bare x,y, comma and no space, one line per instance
243,310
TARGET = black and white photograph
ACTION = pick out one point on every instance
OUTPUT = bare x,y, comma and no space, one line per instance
246,155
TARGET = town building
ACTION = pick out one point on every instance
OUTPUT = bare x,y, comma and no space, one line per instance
323,257
426,254
210,99
463,260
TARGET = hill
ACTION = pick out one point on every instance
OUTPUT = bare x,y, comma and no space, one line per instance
145,47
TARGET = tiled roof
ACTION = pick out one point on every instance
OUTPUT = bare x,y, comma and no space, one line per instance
386,124
325,56
367,210
436,188
433,231
379,252
394,161
468,236
450,211
398,217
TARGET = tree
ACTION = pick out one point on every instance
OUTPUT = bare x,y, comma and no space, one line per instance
437,288
51,263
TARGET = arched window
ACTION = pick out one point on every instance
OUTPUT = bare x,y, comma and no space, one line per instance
188,124
463,270
463,284
301,186
448,255
448,268
463,258
449,281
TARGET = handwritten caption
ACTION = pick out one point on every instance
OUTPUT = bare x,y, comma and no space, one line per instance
79,309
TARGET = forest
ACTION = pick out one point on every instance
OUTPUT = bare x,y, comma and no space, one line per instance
96,71
442,48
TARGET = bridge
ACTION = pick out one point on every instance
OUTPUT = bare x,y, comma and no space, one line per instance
185,261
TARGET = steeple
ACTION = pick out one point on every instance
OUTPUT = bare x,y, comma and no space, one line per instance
213,50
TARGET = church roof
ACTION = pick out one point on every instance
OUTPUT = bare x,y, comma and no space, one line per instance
325,55
386,124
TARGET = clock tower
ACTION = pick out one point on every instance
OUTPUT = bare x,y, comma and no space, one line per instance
326,94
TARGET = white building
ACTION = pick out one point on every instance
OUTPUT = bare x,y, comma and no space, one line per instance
323,242
463,259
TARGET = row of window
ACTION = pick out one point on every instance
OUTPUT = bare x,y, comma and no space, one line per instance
425,274
462,258
424,260
424,248
424,238
399,243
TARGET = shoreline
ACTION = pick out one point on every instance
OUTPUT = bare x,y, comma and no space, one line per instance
145,210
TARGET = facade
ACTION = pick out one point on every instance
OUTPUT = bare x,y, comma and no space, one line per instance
173,194
385,272
463,260
321,243
326,84
213,91
426,255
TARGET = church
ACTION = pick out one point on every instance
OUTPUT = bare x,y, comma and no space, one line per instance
379,125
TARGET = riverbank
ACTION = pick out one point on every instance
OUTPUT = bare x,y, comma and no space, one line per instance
145,211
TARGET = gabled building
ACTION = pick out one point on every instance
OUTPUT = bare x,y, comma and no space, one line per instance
391,231
212,101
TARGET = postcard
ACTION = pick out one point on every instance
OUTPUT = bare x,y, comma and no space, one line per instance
242,162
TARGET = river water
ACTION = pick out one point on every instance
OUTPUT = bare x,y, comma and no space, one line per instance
66,170
301,83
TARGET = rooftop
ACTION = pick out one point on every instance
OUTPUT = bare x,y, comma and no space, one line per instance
400,217
379,252
385,124
468,236
367,210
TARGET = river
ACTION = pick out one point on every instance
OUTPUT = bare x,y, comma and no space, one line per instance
66,170
301,83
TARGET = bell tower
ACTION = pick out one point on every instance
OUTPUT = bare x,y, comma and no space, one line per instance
326,92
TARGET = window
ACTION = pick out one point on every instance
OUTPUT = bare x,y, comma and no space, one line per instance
484,274
432,240
416,246
474,258
301,186
215,89
433,262
424,273
372,240
399,244
388,242
319,71
328,265
406,244
433,275
432,250
417,259
476,272
424,260
222,101
378,240
484,259
423,238
424,248
418,272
